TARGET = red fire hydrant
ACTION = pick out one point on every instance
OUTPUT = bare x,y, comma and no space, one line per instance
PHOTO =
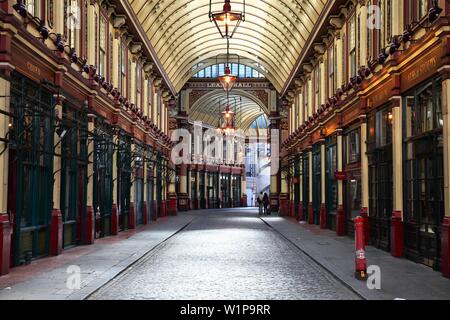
361,261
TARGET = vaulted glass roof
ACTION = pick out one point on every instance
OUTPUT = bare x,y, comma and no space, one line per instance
272,35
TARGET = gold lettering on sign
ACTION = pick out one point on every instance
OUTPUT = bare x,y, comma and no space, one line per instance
35,69
424,68
379,98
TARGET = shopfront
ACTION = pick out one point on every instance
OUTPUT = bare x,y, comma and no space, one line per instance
159,184
423,172
73,134
30,177
379,149
139,183
317,184
103,177
236,190
201,186
331,182
297,187
352,183
305,185
225,190
193,192
150,187
124,179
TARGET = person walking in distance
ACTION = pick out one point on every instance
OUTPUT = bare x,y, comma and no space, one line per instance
260,203
266,203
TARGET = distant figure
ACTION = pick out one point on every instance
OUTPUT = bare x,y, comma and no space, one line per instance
260,203
265,203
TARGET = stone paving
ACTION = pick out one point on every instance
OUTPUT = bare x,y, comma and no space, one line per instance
400,278
221,254
46,279
226,255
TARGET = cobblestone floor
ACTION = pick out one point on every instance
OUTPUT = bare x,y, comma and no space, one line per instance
225,255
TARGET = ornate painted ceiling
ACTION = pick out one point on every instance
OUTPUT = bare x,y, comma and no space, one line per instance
272,35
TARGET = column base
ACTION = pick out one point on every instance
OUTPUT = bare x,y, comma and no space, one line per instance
163,208
445,247
284,205
397,235
301,215
292,209
340,222
145,213
5,244
183,202
310,213
132,217
155,211
323,216
244,201
90,226
56,233
114,221
172,204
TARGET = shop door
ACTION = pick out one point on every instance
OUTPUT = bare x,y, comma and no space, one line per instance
331,183
30,169
427,203
139,200
305,187
317,185
150,202
380,200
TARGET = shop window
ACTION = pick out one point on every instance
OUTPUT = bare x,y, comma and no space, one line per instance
384,128
353,143
424,109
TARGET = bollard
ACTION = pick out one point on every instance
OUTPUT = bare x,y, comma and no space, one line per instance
360,255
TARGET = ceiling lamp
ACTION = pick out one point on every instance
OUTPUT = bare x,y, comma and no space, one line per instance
228,80
228,114
226,21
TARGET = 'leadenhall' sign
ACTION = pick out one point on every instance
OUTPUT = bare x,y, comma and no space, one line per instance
217,85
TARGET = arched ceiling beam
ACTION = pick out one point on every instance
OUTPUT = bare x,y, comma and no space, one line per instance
179,31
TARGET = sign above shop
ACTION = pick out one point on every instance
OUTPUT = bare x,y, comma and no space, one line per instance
340,175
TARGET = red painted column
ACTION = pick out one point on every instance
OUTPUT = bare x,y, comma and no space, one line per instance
310,213
323,216
90,225
145,213
56,233
132,217
445,247
292,209
340,221
114,221
244,201
172,204
397,235
300,212
155,213
5,244
284,205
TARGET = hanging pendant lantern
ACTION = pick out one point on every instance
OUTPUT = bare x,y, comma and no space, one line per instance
228,80
228,115
226,21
